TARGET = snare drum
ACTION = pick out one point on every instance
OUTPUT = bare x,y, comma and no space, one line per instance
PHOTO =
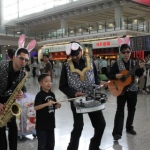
87,104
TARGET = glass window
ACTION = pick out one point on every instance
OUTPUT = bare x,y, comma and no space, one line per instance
10,10
27,7
12,16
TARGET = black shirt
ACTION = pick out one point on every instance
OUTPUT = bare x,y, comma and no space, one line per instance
115,69
63,83
12,77
45,117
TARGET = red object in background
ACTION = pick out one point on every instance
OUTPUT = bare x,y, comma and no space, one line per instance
32,119
144,2
106,43
58,55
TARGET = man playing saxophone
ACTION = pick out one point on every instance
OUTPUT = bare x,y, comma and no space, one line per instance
11,74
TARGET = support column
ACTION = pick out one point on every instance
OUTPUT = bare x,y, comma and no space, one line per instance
147,23
64,25
118,17
1,12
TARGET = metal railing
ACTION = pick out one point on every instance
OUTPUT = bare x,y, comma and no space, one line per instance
90,28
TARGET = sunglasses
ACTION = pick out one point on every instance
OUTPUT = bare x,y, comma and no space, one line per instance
127,52
75,54
22,58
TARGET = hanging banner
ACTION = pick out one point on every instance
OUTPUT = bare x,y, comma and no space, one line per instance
144,2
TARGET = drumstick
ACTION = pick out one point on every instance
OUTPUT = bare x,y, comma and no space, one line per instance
70,99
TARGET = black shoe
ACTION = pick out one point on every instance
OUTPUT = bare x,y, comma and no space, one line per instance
131,132
117,137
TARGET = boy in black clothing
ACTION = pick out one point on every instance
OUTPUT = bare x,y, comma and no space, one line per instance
45,105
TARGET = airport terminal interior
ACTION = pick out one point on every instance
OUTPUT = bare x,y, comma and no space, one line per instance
64,124
97,25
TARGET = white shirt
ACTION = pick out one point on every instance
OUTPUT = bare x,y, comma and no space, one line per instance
104,63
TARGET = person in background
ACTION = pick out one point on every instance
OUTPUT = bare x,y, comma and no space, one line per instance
48,66
11,53
104,69
34,66
71,85
41,65
112,62
52,64
96,61
45,105
51,61
130,94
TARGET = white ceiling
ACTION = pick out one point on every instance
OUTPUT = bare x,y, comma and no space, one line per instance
97,11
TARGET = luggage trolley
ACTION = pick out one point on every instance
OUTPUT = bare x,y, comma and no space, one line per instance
26,120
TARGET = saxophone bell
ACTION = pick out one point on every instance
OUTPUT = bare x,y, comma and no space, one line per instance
16,109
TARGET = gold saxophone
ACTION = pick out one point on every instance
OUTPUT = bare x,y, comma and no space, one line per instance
11,107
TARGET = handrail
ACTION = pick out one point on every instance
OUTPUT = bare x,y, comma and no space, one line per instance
92,27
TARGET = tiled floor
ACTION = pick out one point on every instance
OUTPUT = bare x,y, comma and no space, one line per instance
64,122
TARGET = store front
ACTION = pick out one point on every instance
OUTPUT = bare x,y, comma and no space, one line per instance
106,48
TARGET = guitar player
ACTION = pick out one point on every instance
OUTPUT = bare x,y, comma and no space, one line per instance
129,96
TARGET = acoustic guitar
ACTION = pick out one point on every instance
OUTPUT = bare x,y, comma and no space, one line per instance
118,86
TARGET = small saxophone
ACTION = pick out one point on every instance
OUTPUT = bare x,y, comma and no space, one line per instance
11,107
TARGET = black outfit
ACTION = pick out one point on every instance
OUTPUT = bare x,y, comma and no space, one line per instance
34,71
129,96
97,119
45,121
12,126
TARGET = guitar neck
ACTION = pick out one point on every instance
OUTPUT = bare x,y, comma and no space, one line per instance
132,71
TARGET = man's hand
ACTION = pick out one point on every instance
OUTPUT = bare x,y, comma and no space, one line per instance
79,94
19,96
119,76
2,108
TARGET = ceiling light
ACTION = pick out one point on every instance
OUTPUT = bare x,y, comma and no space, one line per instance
18,32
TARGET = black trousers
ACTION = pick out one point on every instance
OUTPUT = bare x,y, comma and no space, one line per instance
98,123
104,70
131,99
34,71
12,135
46,139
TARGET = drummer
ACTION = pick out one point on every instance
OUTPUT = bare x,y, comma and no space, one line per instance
74,84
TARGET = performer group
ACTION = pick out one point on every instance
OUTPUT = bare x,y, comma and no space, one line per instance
80,82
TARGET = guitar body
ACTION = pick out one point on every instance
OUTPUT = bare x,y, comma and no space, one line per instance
116,87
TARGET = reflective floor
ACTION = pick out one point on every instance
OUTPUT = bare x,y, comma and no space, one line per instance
64,123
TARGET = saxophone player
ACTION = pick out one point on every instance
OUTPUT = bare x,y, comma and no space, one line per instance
11,73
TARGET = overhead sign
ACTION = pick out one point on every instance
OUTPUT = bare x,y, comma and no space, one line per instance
47,50
105,44
144,2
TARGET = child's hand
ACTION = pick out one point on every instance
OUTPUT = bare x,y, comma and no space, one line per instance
58,105
50,103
